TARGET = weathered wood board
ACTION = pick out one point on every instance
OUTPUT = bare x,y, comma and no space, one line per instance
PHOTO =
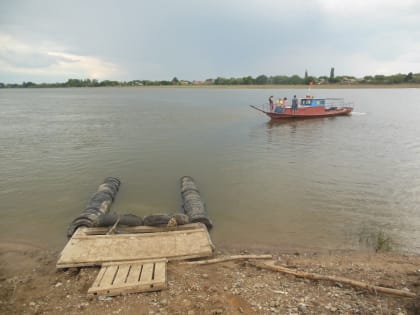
85,249
125,278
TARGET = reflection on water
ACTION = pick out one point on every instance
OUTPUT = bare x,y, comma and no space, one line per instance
292,124
314,183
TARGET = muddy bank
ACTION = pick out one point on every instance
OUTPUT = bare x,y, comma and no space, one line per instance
30,284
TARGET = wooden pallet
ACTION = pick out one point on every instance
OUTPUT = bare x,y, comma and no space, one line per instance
92,246
131,277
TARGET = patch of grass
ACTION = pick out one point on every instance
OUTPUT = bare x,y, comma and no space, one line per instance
379,241
383,243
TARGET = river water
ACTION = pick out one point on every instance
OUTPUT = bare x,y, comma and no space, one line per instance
327,183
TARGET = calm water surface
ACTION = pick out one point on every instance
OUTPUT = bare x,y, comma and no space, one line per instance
320,184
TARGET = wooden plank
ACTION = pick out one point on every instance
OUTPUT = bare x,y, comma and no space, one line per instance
147,273
133,262
90,250
116,279
130,235
134,273
137,229
122,274
109,275
227,258
99,277
134,288
160,272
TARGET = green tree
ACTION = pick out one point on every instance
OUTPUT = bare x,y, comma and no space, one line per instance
220,81
109,83
379,79
367,79
261,79
295,79
416,78
281,79
248,80
409,77
397,78
28,84
73,83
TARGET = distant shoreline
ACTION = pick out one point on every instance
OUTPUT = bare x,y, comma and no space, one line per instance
262,86
303,87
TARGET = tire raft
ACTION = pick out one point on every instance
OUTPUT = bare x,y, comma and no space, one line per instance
99,205
193,206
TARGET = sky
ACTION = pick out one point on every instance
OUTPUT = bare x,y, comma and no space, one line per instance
54,40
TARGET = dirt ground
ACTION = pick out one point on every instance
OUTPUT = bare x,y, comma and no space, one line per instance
30,284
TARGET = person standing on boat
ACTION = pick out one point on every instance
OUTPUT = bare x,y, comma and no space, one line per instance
294,104
270,101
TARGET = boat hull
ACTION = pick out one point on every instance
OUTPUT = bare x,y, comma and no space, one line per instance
307,112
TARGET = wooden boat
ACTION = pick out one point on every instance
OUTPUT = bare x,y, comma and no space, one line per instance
309,107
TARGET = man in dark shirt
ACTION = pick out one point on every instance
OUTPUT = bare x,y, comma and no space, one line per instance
294,104
270,101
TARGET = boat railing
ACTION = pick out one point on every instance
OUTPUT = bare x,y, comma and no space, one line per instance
336,103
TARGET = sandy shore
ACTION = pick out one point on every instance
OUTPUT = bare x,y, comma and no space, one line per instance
30,284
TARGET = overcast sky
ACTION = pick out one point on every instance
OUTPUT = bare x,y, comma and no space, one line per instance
50,41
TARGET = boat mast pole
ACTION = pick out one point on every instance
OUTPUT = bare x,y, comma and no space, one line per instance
309,88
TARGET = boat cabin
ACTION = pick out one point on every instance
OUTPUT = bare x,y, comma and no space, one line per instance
313,102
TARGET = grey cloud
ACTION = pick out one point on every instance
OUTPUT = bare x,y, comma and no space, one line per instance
194,39
30,59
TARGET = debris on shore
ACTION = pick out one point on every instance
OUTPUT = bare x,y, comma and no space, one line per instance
29,284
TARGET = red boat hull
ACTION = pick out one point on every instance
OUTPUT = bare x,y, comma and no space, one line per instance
307,112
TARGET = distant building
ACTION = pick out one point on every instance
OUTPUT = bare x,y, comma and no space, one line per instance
136,83
347,80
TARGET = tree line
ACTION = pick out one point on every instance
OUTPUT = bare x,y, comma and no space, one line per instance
248,80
